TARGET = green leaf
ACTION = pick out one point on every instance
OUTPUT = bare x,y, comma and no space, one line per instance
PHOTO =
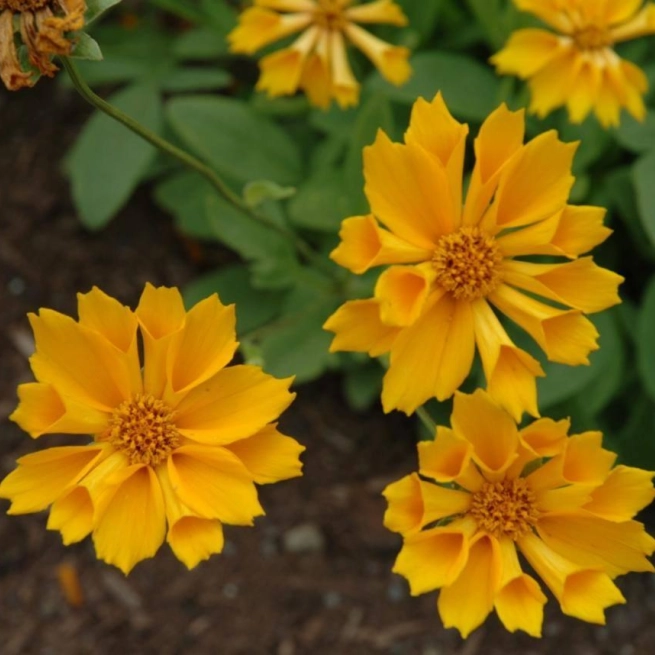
196,79
234,139
200,43
107,161
257,192
86,48
422,16
470,88
362,385
254,307
643,175
638,136
646,339
95,8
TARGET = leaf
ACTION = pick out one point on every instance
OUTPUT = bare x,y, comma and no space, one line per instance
362,385
637,136
107,161
86,48
254,307
200,43
643,175
95,8
422,16
235,140
196,79
257,192
470,88
646,340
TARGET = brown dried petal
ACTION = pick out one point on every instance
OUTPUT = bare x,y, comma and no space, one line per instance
11,73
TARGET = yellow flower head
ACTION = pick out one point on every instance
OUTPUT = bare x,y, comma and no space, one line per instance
452,261
488,491
43,26
578,66
316,61
177,443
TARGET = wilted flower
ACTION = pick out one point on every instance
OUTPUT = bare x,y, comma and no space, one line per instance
179,443
316,61
42,27
578,66
452,261
487,493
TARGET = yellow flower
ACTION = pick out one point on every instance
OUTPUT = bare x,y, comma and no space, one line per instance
43,26
453,261
316,61
179,443
578,66
488,492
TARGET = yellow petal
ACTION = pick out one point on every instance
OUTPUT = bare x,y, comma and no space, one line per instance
625,492
585,86
446,457
519,602
409,192
259,26
546,437
78,362
565,336
526,52
379,11
315,77
550,12
465,603
432,357
269,455
214,484
569,498
510,371
621,11
72,515
43,476
550,86
42,411
405,505
580,284
365,244
433,558
640,24
131,524
489,429
357,327
205,344
627,83
402,292
585,460
522,197
236,403
345,87
431,126
616,548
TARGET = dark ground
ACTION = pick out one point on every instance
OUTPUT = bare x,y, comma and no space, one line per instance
338,597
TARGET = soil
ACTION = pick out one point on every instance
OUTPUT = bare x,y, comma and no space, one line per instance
337,595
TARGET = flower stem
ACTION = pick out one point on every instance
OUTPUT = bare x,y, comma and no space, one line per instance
301,246
427,420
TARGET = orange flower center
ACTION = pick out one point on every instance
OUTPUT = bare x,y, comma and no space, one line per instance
592,38
329,14
20,6
505,509
467,263
143,429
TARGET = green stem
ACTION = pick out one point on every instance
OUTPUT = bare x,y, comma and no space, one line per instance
426,419
301,246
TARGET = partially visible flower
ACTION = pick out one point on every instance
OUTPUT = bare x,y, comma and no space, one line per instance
316,61
43,28
453,261
578,66
487,493
177,445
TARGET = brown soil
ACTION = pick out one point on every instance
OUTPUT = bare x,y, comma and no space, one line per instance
338,597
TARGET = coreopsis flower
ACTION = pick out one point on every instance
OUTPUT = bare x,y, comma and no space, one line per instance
43,28
488,495
455,264
177,445
577,65
317,61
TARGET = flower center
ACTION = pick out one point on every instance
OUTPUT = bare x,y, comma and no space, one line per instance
592,38
20,6
329,14
467,263
505,509
143,429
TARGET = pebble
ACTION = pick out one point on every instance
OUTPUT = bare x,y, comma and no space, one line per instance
304,538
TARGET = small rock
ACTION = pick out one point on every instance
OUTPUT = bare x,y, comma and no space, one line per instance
304,538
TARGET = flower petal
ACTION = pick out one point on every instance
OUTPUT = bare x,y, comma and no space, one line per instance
640,24
550,86
402,292
130,522
364,244
315,78
358,328
446,457
379,11
545,437
236,403
72,515
269,455
259,26
405,509
214,484
526,52
345,87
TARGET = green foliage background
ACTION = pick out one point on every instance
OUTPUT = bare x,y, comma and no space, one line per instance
302,167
